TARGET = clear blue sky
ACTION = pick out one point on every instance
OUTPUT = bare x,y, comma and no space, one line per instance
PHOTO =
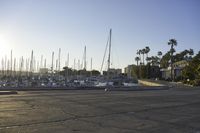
47,25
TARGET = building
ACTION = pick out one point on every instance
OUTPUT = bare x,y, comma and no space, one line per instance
43,71
112,72
178,68
129,70
166,73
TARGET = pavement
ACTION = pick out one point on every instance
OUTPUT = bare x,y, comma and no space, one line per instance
98,111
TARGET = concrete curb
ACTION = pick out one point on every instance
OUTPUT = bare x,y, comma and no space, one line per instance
134,88
8,92
147,88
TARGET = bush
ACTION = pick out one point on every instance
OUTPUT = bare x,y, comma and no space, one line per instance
179,78
196,82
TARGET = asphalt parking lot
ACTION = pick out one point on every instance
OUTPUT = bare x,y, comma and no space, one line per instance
97,111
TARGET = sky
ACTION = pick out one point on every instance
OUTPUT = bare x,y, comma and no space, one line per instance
45,26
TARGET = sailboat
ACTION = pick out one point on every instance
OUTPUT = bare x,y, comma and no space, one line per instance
106,82
110,80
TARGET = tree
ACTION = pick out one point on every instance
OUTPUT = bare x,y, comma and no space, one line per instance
159,54
139,53
147,50
137,59
95,73
143,52
164,62
184,55
154,60
189,54
148,59
192,71
172,43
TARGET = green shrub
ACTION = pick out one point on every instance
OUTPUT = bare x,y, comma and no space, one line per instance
196,82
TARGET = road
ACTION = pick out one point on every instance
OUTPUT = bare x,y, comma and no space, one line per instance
97,111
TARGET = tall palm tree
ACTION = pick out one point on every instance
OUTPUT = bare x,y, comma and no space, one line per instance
143,52
148,59
139,54
137,59
191,52
159,54
147,50
188,54
154,60
172,43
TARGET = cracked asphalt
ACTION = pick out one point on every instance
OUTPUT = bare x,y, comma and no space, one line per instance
97,111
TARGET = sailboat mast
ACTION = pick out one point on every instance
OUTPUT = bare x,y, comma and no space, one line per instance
41,62
11,63
14,66
52,63
2,63
59,59
31,63
45,62
67,66
5,65
109,50
85,58
68,60
91,68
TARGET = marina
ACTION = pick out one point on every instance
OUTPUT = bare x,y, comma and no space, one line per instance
28,72
99,66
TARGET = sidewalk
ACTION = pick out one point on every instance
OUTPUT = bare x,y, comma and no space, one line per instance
164,83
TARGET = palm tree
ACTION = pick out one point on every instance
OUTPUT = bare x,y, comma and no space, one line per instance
137,59
191,52
159,54
147,50
188,54
143,52
154,60
172,43
139,53
148,59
